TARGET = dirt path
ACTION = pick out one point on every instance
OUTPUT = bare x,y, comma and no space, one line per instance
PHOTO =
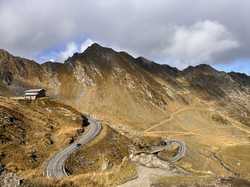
234,123
173,115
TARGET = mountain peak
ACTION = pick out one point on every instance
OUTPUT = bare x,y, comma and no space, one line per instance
201,68
93,51
95,47
144,60
4,53
205,67
240,77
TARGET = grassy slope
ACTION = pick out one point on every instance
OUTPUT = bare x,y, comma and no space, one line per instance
199,181
42,128
207,132
109,147
86,164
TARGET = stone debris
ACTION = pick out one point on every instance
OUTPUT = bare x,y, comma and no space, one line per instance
10,180
150,161
106,164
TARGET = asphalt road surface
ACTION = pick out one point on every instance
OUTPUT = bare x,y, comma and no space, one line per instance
182,148
56,165
181,151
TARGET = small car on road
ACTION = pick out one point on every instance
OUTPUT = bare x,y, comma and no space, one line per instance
78,145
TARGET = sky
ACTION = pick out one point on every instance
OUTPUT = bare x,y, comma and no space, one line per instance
175,32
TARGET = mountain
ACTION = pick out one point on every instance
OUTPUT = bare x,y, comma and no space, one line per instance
115,85
207,109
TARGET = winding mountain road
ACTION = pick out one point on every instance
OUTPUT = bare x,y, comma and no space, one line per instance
56,165
182,148
181,151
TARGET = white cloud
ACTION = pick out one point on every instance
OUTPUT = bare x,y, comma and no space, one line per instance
199,43
69,51
85,45
31,27
71,48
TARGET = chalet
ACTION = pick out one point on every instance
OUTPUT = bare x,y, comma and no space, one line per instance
33,94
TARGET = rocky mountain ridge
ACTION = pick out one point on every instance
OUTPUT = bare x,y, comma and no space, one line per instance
142,101
100,80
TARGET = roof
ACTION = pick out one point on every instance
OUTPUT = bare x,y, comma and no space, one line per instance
31,94
34,90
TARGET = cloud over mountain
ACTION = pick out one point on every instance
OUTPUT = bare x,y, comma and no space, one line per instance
189,32
199,43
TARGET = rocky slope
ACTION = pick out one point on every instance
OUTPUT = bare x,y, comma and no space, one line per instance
31,132
117,86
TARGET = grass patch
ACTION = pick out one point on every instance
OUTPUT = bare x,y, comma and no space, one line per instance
117,175
31,132
109,148
199,181
181,181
